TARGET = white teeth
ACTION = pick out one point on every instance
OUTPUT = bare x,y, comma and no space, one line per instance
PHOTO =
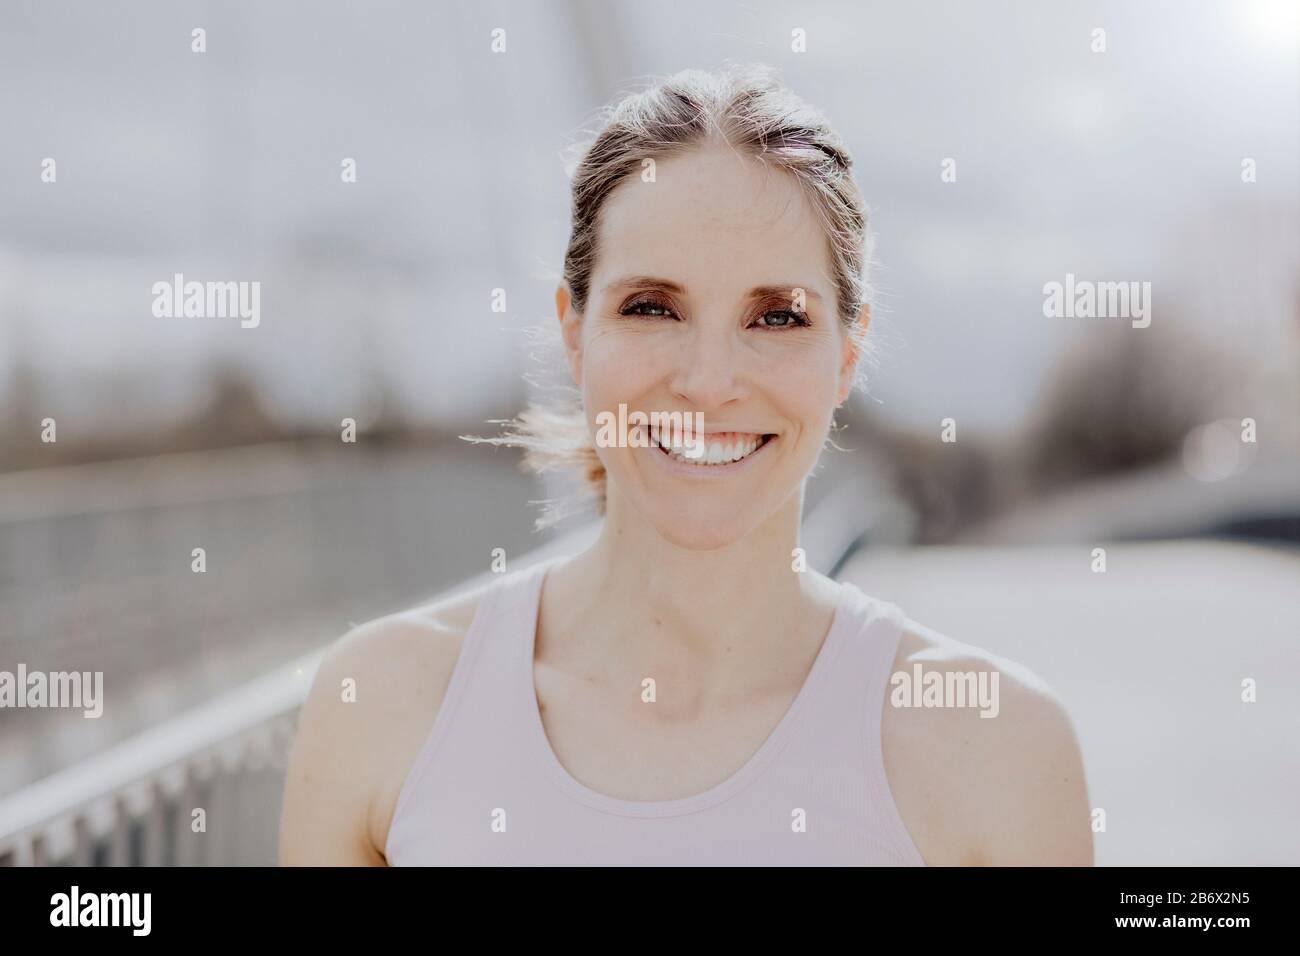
714,453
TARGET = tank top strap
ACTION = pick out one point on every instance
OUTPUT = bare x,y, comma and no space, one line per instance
507,609
864,680
482,676
518,598
869,630
880,629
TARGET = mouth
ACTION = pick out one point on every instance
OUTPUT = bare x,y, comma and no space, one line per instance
716,450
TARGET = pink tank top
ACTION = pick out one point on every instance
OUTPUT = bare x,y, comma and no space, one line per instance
486,789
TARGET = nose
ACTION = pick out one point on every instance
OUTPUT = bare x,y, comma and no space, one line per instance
709,372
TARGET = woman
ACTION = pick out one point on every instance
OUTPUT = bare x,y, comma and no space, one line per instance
682,692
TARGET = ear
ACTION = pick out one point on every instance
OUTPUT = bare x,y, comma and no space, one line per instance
852,352
570,330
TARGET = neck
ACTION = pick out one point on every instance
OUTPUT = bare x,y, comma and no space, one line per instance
636,586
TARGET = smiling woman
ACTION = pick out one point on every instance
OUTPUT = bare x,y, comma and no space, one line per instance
683,692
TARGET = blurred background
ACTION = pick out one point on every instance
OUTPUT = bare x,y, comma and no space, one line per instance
1072,434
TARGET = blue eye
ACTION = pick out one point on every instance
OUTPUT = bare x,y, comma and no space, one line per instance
789,319
648,308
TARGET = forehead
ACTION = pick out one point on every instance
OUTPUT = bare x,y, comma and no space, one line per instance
714,220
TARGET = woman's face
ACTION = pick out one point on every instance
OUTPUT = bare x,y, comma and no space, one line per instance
694,306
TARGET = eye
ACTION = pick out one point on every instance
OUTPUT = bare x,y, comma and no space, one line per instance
781,319
651,308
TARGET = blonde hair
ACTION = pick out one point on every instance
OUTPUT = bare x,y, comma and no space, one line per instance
751,111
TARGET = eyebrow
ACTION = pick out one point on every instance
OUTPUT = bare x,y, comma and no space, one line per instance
758,292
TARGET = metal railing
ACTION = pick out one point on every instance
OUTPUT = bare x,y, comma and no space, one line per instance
171,795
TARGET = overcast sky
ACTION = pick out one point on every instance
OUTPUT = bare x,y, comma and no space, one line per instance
1123,165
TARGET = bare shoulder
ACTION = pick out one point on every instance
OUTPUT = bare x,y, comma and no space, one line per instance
982,758
371,705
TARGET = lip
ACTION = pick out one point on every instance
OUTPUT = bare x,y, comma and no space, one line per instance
710,472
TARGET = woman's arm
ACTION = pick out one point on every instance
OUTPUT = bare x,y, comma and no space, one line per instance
1033,792
370,708
1004,790
323,820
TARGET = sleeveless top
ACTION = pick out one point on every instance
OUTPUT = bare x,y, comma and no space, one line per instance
486,789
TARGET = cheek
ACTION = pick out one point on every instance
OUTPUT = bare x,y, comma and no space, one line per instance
801,376
618,364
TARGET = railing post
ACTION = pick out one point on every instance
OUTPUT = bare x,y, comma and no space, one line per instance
119,841
183,839
155,829
83,842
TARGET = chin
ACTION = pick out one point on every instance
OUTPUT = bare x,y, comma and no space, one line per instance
700,511
705,519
